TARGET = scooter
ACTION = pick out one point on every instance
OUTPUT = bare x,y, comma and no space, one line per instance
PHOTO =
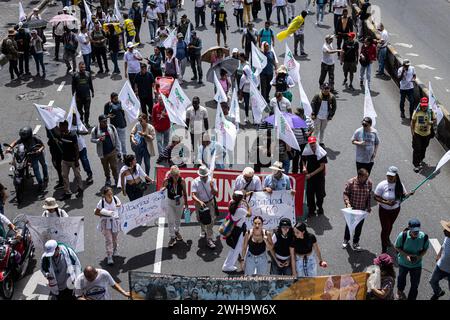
16,252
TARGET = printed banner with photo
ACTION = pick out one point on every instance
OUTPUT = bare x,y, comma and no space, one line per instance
155,286
225,182
68,230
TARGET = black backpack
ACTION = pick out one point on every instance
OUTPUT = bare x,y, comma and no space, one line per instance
405,235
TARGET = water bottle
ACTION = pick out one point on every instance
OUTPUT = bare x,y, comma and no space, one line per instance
187,215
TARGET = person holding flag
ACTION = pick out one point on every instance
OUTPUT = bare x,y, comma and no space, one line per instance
357,195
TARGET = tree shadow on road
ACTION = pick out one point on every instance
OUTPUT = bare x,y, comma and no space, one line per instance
119,265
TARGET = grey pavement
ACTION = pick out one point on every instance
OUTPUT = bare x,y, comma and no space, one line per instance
138,249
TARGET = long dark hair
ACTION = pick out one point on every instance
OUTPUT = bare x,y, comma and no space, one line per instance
300,226
399,192
388,270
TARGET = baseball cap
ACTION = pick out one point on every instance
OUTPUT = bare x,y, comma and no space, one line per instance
222,5
49,248
312,139
130,44
285,222
414,225
424,102
406,62
352,35
367,120
392,171
329,36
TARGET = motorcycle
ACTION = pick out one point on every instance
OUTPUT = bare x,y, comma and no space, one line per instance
16,252
21,163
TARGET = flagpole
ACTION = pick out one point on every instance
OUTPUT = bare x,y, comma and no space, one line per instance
420,184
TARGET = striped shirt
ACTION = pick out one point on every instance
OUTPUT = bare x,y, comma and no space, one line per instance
301,134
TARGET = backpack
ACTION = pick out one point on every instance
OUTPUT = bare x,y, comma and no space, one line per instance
405,235
227,226
5,48
103,202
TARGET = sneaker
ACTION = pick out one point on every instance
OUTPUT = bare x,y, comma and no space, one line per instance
211,244
356,247
322,144
437,296
194,78
402,115
416,169
303,54
89,179
172,242
345,244
59,186
351,87
110,261
202,234
233,269
334,92
178,236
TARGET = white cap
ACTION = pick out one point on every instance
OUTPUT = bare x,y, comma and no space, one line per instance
392,171
235,50
49,248
66,8
130,45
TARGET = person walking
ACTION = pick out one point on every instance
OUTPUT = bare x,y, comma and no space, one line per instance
204,191
281,102
85,45
244,91
161,123
238,12
282,82
327,64
323,109
83,90
132,63
389,194
291,10
135,13
267,73
423,121
144,85
338,10
277,181
247,11
108,211
281,8
200,8
23,40
113,40
257,242
142,141
195,56
151,15
302,135
406,75
155,61
114,111
70,43
98,41
343,26
133,178
108,147
304,251
411,244
60,265
182,56
367,55
299,39
366,141
11,51
320,11
349,59
266,34
176,200
282,239
171,65
197,123
80,130
442,269
382,48
51,209
357,195
129,28
221,24
37,51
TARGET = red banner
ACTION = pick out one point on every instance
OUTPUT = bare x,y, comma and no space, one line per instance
225,183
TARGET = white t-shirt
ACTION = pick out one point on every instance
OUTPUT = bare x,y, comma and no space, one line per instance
386,191
323,111
254,185
152,13
327,58
85,48
97,289
199,3
406,82
280,3
384,35
111,223
238,4
339,3
134,65
161,6
203,189
239,216
196,119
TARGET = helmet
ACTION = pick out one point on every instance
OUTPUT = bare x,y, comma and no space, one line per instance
25,133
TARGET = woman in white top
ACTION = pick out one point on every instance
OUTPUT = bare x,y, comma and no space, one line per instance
52,209
389,193
107,210
132,178
239,210
142,141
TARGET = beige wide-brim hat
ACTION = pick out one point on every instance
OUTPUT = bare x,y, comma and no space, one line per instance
50,203
445,225
277,166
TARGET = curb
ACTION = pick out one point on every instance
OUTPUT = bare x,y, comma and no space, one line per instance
393,62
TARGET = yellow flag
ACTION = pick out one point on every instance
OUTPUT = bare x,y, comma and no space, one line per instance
295,24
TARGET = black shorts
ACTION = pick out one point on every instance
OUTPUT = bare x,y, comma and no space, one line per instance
220,28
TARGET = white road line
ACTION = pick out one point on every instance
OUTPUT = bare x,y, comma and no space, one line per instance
36,287
424,66
36,129
50,104
159,244
436,245
412,54
439,78
61,86
405,45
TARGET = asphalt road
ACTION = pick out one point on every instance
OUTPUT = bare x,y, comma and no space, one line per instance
138,249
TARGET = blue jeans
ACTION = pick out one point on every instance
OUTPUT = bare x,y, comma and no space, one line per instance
143,154
367,70
144,5
414,274
382,52
114,57
276,270
437,276
152,26
162,139
306,266
35,164
256,265
39,59
320,11
87,61
85,162
410,94
286,165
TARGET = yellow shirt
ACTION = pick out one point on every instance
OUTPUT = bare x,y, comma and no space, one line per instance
423,123
129,27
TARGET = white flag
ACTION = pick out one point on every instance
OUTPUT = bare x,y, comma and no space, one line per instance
117,11
130,102
212,164
353,217
89,23
304,102
74,111
274,53
257,102
174,111
187,36
50,115
171,41
22,15
180,98
220,93
433,104
369,110
235,111
226,131
284,130
292,65
443,161
259,60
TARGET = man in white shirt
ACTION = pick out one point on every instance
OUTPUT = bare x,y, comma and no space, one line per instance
281,7
283,104
93,284
248,182
382,48
407,75
327,65
85,46
207,150
338,7
132,60
197,122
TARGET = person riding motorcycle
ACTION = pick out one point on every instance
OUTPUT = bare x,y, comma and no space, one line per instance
35,147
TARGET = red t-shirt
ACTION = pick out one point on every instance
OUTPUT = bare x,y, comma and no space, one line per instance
160,122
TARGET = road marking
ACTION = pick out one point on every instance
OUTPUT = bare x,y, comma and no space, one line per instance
439,78
436,245
412,54
405,45
36,129
50,104
61,86
447,90
159,244
36,287
424,66
49,45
